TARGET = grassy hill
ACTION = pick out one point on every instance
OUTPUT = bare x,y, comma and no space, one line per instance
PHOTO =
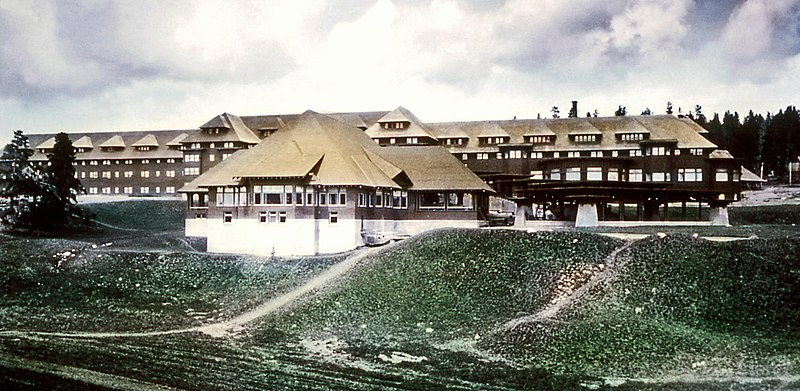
144,214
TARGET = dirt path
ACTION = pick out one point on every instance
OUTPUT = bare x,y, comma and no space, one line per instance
611,263
315,284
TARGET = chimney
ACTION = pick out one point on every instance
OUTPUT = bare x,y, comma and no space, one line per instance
574,112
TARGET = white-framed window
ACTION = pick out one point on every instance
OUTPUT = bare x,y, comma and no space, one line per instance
127,189
660,176
537,155
170,161
464,156
400,199
145,161
169,190
116,174
262,217
431,201
690,175
272,194
169,173
211,157
515,154
227,217
537,174
227,145
657,151
93,175
499,156
555,174
482,156
556,155
635,175
187,171
83,174
145,174
632,136
106,162
116,190
614,153
585,138
226,155
106,174
333,217
392,140
459,201
721,175
158,173
412,140
362,199
696,151
106,190
613,174
596,154
144,190
129,161
539,139
635,152
93,163
231,196
92,190
128,174
573,174
191,157
573,154
594,174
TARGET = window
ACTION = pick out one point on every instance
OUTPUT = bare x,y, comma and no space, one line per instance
191,157
537,155
116,174
594,174
158,189
145,174
573,174
555,174
585,138
129,161
143,148
412,140
310,196
107,174
93,175
379,198
614,153
144,190
516,154
262,217
92,190
169,190
499,156
298,195
556,155
198,201
195,146
228,145
106,162
464,156
227,217
127,190
399,199
158,173
392,140
226,155
696,151
187,171
573,154
116,190
537,174
632,136
613,174
635,175
93,163
211,157
128,174
431,201
721,175
270,195
362,199
459,201
333,217
387,199
106,190
281,217
231,196
660,177
657,151
170,161
482,156
169,173
690,175
635,152
596,154
539,139
145,161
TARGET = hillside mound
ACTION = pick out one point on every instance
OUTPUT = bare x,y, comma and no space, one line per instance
681,300
452,284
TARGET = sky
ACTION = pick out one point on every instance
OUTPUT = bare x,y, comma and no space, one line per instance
101,65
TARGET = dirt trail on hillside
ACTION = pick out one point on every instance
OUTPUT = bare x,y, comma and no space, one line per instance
548,312
315,284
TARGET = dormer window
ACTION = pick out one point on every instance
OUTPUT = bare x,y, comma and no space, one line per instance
395,125
585,138
143,148
631,136
540,139
493,140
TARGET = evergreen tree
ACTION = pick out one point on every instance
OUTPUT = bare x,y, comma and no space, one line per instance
647,111
669,107
555,111
16,173
621,111
699,118
58,204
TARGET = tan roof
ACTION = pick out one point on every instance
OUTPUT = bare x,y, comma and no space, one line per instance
415,128
49,143
114,141
452,131
176,142
491,129
434,168
120,138
749,176
619,125
146,141
573,126
329,152
236,131
83,142
720,154
537,128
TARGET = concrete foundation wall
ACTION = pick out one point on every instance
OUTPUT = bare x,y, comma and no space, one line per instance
196,227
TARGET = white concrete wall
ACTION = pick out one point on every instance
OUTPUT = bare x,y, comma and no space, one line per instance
196,227
297,237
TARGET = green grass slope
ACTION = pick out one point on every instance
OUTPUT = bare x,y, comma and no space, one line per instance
146,215
678,304
451,284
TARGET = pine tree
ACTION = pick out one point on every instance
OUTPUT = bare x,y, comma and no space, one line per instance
669,107
58,203
555,111
621,111
647,111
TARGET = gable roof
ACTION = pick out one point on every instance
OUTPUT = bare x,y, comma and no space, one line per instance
236,131
146,141
83,142
325,151
415,128
114,141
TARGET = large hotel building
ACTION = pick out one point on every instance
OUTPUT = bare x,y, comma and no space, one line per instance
310,183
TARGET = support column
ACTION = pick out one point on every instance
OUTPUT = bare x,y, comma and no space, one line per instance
587,215
519,216
719,215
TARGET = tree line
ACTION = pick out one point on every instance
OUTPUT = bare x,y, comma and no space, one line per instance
39,197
